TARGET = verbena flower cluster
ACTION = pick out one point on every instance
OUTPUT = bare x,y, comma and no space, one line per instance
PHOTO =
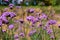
37,25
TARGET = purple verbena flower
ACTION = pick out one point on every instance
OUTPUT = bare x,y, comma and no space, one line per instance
37,14
31,10
4,19
30,18
17,39
22,34
52,37
33,25
12,14
49,31
21,21
47,25
40,25
5,14
32,32
44,28
51,22
9,14
11,5
43,16
39,18
59,26
16,36
18,7
11,26
35,20
3,30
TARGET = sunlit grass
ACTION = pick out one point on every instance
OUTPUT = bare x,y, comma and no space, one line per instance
56,8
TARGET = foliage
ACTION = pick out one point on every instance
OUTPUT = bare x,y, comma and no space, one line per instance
49,2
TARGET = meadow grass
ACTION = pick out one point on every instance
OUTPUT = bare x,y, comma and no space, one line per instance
56,8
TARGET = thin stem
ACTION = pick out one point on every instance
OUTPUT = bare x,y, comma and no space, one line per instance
1,31
42,30
23,13
53,32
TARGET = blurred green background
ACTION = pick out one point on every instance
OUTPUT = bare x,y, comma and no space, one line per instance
37,2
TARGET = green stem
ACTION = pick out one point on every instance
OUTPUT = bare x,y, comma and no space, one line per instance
53,33
12,35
